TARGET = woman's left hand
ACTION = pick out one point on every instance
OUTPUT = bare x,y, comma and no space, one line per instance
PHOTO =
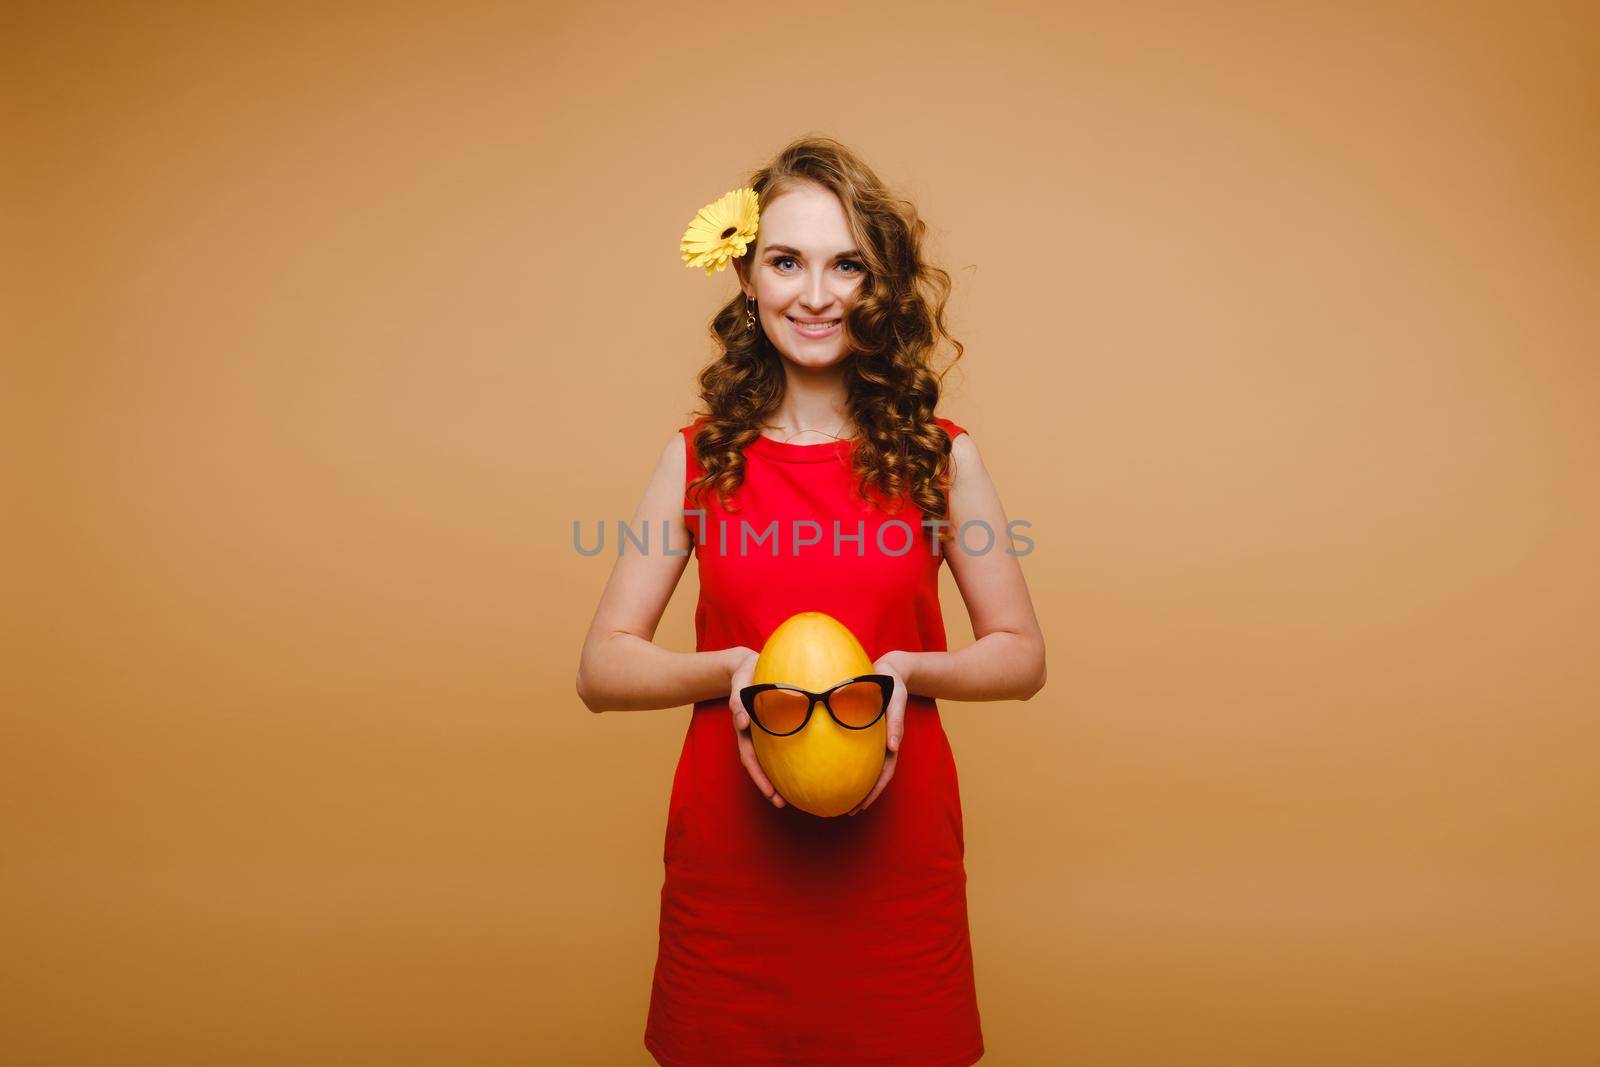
888,664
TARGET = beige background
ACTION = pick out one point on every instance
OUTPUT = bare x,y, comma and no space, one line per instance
322,327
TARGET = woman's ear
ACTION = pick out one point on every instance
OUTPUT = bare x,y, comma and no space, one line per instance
743,271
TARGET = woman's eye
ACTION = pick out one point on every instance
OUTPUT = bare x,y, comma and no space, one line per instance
849,266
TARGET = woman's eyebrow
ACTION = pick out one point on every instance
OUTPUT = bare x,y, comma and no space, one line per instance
850,254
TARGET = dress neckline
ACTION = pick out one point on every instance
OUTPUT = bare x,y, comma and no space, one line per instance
788,452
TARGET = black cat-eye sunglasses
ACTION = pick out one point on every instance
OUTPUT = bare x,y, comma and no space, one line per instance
781,710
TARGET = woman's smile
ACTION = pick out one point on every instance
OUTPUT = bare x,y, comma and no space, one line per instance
813,328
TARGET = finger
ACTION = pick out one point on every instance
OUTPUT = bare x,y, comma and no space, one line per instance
754,770
883,781
747,756
877,787
863,801
757,775
897,717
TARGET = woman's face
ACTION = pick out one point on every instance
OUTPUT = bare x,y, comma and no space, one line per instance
803,273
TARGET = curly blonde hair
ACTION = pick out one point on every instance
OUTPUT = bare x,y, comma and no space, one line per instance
892,331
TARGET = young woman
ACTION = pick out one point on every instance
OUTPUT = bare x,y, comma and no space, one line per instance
786,938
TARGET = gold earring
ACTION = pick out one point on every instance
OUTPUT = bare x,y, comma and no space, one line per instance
749,314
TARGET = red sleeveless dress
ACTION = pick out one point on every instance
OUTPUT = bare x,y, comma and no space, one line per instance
788,940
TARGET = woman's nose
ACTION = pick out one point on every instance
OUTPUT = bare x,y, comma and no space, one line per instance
817,296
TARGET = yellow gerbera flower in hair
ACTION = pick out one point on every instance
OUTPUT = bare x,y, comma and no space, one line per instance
720,231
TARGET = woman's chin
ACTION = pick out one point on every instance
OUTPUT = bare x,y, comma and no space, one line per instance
815,360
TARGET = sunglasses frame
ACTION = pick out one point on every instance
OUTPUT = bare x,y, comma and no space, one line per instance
748,694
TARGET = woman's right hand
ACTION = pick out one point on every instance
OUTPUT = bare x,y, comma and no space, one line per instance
744,670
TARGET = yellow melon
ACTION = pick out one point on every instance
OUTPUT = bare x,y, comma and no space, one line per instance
824,769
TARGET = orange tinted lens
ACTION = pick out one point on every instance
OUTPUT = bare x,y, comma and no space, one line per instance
781,711
857,704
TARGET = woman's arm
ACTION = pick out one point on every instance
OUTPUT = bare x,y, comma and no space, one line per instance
1006,662
621,668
